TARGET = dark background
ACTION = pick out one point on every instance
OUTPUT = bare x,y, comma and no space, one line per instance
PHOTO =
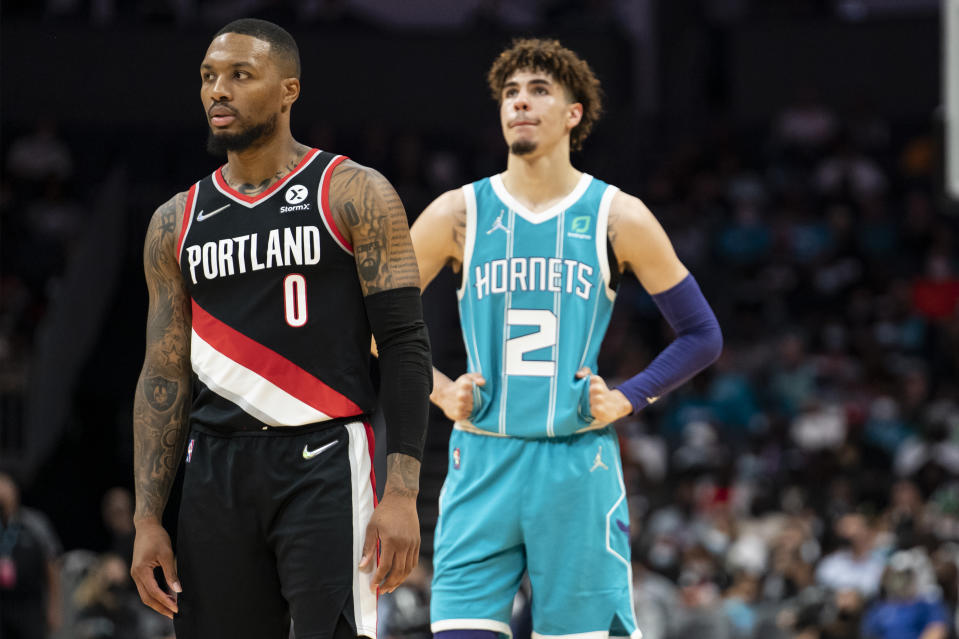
695,91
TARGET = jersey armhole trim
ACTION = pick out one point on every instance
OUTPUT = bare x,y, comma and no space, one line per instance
187,219
325,212
469,194
602,233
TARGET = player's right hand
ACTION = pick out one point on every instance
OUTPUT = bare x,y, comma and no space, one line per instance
456,398
152,548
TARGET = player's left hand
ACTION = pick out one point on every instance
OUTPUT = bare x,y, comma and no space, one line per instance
395,524
605,405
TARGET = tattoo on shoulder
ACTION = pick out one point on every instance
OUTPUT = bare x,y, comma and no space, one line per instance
371,212
165,219
161,235
459,228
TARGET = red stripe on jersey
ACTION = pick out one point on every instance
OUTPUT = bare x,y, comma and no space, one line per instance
271,366
325,202
218,176
187,212
371,444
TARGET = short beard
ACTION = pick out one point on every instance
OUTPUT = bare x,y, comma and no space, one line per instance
220,143
522,147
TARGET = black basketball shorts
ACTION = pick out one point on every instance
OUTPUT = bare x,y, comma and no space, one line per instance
271,526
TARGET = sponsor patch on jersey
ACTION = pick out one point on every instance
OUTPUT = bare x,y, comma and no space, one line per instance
295,207
456,458
579,227
189,451
296,194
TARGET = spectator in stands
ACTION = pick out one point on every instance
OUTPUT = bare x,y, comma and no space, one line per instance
855,565
807,124
936,293
29,571
40,155
117,511
901,613
106,606
406,611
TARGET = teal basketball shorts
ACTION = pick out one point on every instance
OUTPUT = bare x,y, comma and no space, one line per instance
555,508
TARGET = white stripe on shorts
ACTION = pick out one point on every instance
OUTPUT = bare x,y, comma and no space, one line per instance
364,601
472,624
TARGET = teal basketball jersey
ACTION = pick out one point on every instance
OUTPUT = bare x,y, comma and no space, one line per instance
534,303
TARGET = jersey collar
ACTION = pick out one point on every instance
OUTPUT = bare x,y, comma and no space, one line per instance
251,201
535,218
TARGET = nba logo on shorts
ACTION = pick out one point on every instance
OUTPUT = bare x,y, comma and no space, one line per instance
456,458
189,452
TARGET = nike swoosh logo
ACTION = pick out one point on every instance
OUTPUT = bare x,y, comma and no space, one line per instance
200,216
310,454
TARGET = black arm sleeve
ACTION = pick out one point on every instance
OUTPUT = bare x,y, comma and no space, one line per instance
406,367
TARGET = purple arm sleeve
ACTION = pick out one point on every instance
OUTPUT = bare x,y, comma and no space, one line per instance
697,345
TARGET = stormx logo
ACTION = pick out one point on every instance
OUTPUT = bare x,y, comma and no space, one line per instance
294,195
579,227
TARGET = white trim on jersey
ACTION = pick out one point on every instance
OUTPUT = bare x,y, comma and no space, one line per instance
602,232
636,634
469,242
364,601
589,340
284,181
557,308
470,196
472,624
254,394
499,188
609,547
597,634
189,223
319,205
510,236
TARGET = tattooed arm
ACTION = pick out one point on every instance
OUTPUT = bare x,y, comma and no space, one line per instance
368,211
161,405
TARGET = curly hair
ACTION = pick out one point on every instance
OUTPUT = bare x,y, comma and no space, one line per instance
567,68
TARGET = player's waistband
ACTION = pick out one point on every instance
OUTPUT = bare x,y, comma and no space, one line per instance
468,427
277,431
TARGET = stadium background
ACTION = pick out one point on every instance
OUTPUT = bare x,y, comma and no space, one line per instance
791,148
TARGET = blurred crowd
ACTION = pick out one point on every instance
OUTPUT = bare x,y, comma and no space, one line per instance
804,487
79,594
591,14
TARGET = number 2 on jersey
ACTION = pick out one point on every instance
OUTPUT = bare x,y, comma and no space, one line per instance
517,347
294,299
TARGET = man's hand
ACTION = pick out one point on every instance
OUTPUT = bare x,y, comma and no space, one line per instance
152,548
456,398
395,525
605,405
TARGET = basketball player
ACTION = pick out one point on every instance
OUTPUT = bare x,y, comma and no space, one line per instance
534,481
267,279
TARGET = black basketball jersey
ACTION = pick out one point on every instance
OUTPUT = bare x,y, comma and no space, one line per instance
280,334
